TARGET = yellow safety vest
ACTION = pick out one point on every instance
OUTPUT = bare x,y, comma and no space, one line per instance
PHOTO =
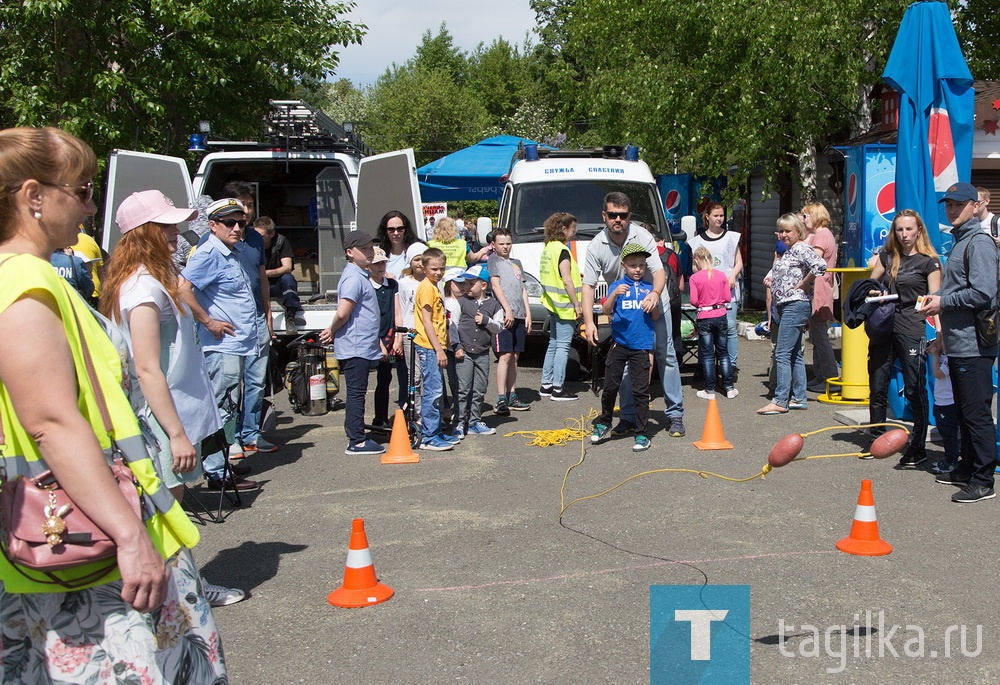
554,295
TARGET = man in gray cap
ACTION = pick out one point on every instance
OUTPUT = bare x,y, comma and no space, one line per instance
354,333
969,283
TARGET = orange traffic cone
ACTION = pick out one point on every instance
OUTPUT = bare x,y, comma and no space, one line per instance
361,588
399,451
712,437
864,539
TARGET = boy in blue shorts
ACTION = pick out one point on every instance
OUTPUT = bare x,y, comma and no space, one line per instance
632,332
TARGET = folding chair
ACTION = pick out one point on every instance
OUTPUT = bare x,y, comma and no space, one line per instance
221,440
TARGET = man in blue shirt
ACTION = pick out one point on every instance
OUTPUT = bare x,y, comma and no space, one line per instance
219,293
354,333
634,341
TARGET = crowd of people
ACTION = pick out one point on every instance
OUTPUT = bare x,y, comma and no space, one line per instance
171,372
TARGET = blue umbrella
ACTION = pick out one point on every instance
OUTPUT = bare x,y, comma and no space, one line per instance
936,104
469,174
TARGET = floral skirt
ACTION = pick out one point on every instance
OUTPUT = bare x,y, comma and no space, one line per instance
93,636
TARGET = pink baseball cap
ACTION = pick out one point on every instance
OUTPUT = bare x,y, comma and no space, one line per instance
150,205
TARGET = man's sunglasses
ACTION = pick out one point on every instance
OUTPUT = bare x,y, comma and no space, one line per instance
230,223
618,215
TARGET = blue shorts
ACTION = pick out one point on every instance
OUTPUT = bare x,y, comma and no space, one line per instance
511,339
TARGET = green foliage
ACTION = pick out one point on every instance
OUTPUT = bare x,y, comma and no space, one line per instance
339,100
438,53
142,73
426,110
978,29
724,83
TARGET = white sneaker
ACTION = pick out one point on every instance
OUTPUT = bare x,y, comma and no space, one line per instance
732,393
219,596
705,395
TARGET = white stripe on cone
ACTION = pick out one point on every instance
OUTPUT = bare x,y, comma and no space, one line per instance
361,558
864,513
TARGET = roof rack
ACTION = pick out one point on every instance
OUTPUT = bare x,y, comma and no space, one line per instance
603,152
295,125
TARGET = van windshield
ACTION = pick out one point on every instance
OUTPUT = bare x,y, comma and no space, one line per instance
533,203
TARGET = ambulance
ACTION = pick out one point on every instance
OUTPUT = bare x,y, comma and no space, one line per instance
543,182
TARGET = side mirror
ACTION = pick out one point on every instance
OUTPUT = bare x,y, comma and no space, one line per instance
484,225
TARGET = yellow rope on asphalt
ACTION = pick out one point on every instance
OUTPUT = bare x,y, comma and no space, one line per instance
573,429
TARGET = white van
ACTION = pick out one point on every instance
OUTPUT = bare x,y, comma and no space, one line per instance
573,181
314,198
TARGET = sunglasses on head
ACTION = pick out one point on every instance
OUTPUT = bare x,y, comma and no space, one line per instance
618,215
230,223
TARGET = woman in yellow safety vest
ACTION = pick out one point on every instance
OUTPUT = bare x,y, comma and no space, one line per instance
561,283
446,239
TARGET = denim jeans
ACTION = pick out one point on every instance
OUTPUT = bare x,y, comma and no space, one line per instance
670,373
224,373
732,340
430,395
557,354
254,379
788,359
824,359
354,373
713,335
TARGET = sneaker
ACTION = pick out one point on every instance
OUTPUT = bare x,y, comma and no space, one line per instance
624,427
641,443
943,466
677,427
973,493
600,434
706,395
545,390
516,404
219,596
367,447
560,395
952,478
501,408
480,428
262,446
290,326
242,484
451,437
732,393
911,461
436,444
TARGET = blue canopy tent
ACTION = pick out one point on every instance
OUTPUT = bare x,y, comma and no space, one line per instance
470,174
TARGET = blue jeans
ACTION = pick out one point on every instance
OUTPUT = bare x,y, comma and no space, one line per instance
286,286
732,341
788,358
712,336
224,373
432,377
557,354
670,373
254,379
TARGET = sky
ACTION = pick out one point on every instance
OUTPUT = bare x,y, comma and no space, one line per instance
395,28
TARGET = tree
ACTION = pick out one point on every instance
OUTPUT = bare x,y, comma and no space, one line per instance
718,84
142,73
978,28
339,100
426,110
438,53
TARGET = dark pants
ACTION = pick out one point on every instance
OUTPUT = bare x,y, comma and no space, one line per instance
910,353
946,420
713,344
638,370
972,382
287,287
383,379
354,372
675,325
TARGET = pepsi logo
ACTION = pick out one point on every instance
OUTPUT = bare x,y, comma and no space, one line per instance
672,202
852,192
885,201
941,146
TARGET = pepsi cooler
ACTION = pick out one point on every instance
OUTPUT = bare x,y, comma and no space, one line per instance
869,202
678,194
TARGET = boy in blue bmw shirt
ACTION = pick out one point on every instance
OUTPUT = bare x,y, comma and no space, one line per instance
632,332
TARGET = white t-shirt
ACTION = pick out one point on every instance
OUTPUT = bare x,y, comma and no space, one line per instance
943,394
394,267
454,312
181,358
723,250
407,299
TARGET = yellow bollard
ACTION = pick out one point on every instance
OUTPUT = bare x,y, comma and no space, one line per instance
852,386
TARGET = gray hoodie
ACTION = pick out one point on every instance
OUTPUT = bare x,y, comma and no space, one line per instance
963,293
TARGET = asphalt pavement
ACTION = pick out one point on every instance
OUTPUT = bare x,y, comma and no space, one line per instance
490,587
